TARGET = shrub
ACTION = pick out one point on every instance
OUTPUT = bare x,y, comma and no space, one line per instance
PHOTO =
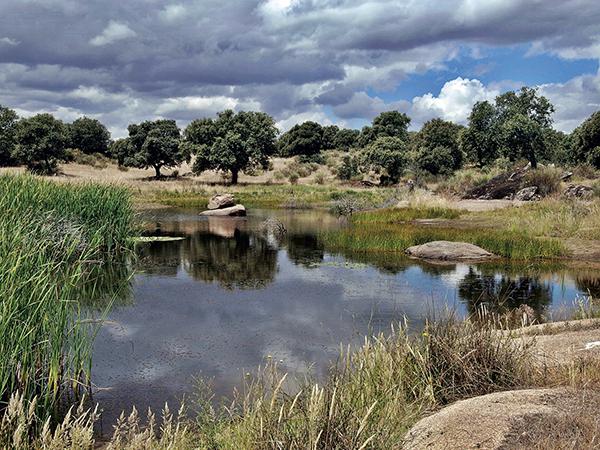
320,178
547,180
349,168
438,160
293,178
386,156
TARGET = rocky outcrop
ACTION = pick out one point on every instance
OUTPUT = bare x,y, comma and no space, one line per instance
448,251
527,194
578,191
236,210
503,186
512,419
221,201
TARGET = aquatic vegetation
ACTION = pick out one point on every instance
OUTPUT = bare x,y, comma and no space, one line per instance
52,236
384,237
397,215
370,399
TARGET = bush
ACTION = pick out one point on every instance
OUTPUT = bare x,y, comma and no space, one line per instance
436,161
386,156
320,178
585,171
293,178
547,180
96,160
349,168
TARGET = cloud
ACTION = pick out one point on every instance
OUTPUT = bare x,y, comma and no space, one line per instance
454,102
114,31
340,60
8,41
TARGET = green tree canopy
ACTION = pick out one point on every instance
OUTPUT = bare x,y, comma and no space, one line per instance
233,142
8,129
346,138
436,134
41,142
153,144
387,124
585,141
480,140
329,134
305,140
89,136
524,117
386,157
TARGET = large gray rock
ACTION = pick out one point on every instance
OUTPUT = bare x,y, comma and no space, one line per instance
527,194
578,191
236,210
448,251
220,201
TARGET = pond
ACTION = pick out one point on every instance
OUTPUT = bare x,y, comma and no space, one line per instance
224,298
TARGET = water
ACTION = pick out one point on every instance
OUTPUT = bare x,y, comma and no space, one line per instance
225,298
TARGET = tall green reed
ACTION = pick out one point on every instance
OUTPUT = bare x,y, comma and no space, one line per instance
52,236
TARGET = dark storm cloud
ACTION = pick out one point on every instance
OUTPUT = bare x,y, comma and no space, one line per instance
125,61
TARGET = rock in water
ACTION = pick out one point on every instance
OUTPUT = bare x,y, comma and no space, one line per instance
448,251
221,201
236,210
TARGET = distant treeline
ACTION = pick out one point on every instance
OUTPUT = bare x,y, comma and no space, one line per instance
517,125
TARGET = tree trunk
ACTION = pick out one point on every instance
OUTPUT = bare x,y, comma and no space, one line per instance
234,176
157,170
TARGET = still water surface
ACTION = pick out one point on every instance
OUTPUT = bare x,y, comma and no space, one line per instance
220,301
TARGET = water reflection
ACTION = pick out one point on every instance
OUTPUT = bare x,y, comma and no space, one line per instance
220,301
499,293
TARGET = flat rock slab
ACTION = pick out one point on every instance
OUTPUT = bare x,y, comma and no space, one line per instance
448,251
221,201
237,210
494,421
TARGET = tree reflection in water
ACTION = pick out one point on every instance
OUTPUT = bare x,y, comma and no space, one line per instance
500,292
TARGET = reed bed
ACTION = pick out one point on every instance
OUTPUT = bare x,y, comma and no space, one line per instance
52,237
370,399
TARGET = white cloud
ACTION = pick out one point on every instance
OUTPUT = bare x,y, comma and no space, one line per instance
574,100
114,31
315,116
203,105
8,41
454,102
174,12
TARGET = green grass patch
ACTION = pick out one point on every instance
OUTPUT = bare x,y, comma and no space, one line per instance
52,239
399,215
269,196
368,237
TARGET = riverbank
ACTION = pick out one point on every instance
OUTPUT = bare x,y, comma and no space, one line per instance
375,395
551,228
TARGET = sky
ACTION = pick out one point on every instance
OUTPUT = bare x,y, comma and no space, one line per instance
332,61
